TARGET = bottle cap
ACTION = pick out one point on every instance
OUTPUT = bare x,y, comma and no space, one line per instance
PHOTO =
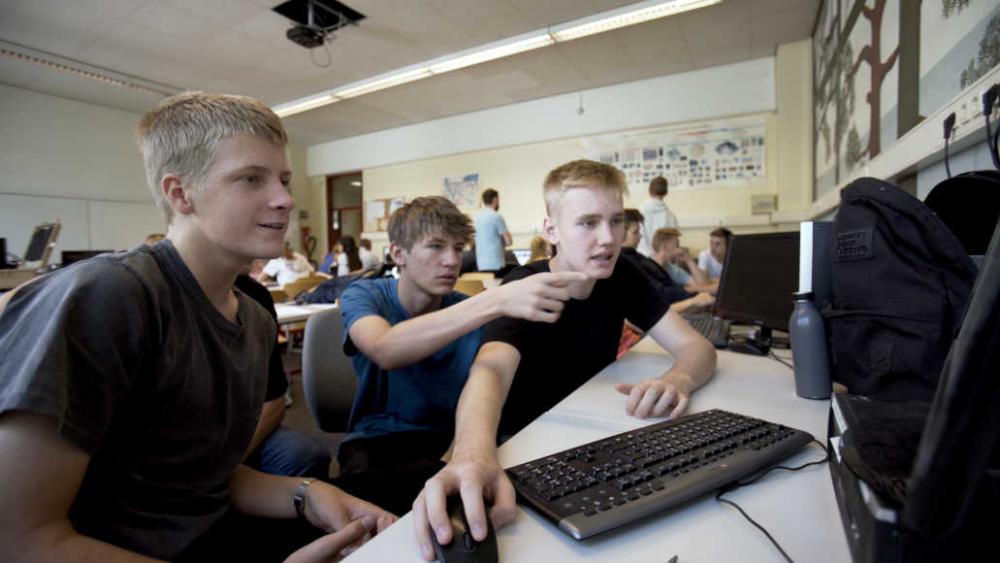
802,296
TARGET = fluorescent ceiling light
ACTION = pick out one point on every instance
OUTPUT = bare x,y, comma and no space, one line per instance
382,82
490,52
582,27
625,16
305,104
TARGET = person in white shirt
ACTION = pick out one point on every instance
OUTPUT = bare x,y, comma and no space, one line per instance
711,260
288,268
368,258
656,214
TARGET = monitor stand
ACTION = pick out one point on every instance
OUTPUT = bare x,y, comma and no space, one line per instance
758,344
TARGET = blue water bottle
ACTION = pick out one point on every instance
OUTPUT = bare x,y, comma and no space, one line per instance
809,351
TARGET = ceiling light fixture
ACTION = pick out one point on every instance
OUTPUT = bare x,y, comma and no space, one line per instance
83,70
582,27
305,104
625,16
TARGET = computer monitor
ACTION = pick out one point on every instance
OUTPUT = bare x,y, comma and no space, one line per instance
71,256
41,243
522,255
760,275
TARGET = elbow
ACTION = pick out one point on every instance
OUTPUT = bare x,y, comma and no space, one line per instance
385,359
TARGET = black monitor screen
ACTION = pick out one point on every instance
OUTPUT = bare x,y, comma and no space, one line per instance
39,240
760,275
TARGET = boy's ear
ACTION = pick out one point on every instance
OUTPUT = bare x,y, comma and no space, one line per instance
550,231
398,254
175,191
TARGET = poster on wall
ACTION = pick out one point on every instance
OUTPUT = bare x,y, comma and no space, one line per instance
720,153
463,191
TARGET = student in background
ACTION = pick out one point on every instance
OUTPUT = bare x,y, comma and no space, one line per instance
144,460
286,268
412,341
368,258
656,212
492,235
524,368
712,259
540,249
153,238
667,253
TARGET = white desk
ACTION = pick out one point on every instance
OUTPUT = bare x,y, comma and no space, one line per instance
798,509
288,314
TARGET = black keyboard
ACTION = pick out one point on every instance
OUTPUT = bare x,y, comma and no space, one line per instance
716,330
602,485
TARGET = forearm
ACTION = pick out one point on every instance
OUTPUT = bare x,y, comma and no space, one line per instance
413,340
699,276
272,413
479,409
259,494
693,367
58,541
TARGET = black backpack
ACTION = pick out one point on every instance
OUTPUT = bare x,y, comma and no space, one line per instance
900,280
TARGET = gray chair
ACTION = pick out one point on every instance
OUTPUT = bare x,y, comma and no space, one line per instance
328,378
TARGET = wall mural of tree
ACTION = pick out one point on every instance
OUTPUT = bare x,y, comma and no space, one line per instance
871,55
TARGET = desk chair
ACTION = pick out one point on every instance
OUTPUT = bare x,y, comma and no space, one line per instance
328,379
294,288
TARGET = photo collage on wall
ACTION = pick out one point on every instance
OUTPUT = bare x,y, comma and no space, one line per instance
714,154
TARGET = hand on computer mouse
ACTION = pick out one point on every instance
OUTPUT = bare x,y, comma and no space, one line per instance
463,547
478,475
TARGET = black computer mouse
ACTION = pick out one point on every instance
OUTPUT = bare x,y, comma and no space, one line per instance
463,548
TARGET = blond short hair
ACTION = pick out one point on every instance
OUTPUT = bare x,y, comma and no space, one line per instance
425,216
662,235
582,174
181,134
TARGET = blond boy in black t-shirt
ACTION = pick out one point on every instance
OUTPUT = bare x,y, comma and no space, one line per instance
585,222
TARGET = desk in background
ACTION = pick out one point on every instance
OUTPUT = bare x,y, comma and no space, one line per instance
11,278
798,509
288,314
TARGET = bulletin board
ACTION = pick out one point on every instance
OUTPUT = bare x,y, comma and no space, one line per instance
378,211
728,152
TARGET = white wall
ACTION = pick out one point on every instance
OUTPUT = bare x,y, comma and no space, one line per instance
745,87
75,162
512,147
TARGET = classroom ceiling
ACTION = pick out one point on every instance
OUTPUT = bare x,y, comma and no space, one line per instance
239,46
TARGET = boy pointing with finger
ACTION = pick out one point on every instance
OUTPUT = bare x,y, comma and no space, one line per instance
524,368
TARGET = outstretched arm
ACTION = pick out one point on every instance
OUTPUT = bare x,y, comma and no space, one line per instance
694,364
537,298
40,474
473,470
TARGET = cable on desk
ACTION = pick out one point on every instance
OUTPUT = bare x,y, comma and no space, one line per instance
778,359
737,484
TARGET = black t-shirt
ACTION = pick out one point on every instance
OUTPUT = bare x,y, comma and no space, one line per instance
556,358
670,290
277,383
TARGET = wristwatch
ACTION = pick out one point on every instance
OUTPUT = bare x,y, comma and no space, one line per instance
299,499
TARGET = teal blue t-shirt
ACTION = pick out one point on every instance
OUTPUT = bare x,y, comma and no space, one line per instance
419,397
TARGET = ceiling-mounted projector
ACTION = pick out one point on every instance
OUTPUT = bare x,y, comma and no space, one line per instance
316,20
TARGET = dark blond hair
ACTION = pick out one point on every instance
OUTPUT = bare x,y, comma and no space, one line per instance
181,134
425,216
582,174
662,235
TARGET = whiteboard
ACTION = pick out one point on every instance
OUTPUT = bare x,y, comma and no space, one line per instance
86,224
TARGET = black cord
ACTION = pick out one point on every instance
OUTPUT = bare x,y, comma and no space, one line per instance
949,125
779,360
737,484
